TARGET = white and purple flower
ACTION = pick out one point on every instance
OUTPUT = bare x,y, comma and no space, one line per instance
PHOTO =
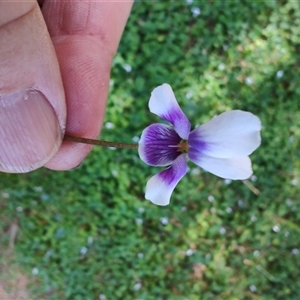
220,146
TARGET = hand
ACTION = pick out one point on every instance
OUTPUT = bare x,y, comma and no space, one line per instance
54,84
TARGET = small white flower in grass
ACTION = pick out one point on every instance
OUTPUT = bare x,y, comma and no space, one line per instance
102,297
5,195
90,240
221,146
286,234
127,68
141,210
252,288
137,286
83,250
48,253
195,172
19,209
135,139
222,230
189,252
38,189
253,178
45,197
241,203
227,181
256,253
35,271
164,220
114,173
221,67
189,95
109,125
276,228
211,198
139,221
140,255
295,251
279,74
208,256
249,81
188,2
213,210
196,11
229,210
253,218
288,202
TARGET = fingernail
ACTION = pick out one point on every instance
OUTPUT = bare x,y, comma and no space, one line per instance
30,134
77,167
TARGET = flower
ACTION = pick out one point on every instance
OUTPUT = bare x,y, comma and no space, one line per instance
220,146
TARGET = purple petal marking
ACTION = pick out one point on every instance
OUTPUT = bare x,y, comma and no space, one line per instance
164,104
160,187
157,145
196,144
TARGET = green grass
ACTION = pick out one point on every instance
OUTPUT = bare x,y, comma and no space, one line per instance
234,55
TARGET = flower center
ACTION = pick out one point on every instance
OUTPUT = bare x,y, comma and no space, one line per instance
183,146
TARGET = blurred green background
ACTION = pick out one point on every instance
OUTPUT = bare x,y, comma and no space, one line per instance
90,234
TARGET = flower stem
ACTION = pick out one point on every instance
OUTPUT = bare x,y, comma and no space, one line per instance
76,139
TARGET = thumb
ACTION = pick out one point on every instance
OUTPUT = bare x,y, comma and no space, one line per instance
32,103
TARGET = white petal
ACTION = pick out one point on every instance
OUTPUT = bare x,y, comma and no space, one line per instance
228,168
164,104
160,187
231,134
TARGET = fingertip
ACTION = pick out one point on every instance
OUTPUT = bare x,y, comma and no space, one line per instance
69,156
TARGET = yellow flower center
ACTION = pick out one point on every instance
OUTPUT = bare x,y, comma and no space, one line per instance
183,146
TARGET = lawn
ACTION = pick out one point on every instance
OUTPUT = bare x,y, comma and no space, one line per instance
90,234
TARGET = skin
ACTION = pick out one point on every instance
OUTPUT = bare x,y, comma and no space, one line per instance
71,66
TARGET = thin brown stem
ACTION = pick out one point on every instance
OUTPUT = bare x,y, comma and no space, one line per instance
76,139
251,187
